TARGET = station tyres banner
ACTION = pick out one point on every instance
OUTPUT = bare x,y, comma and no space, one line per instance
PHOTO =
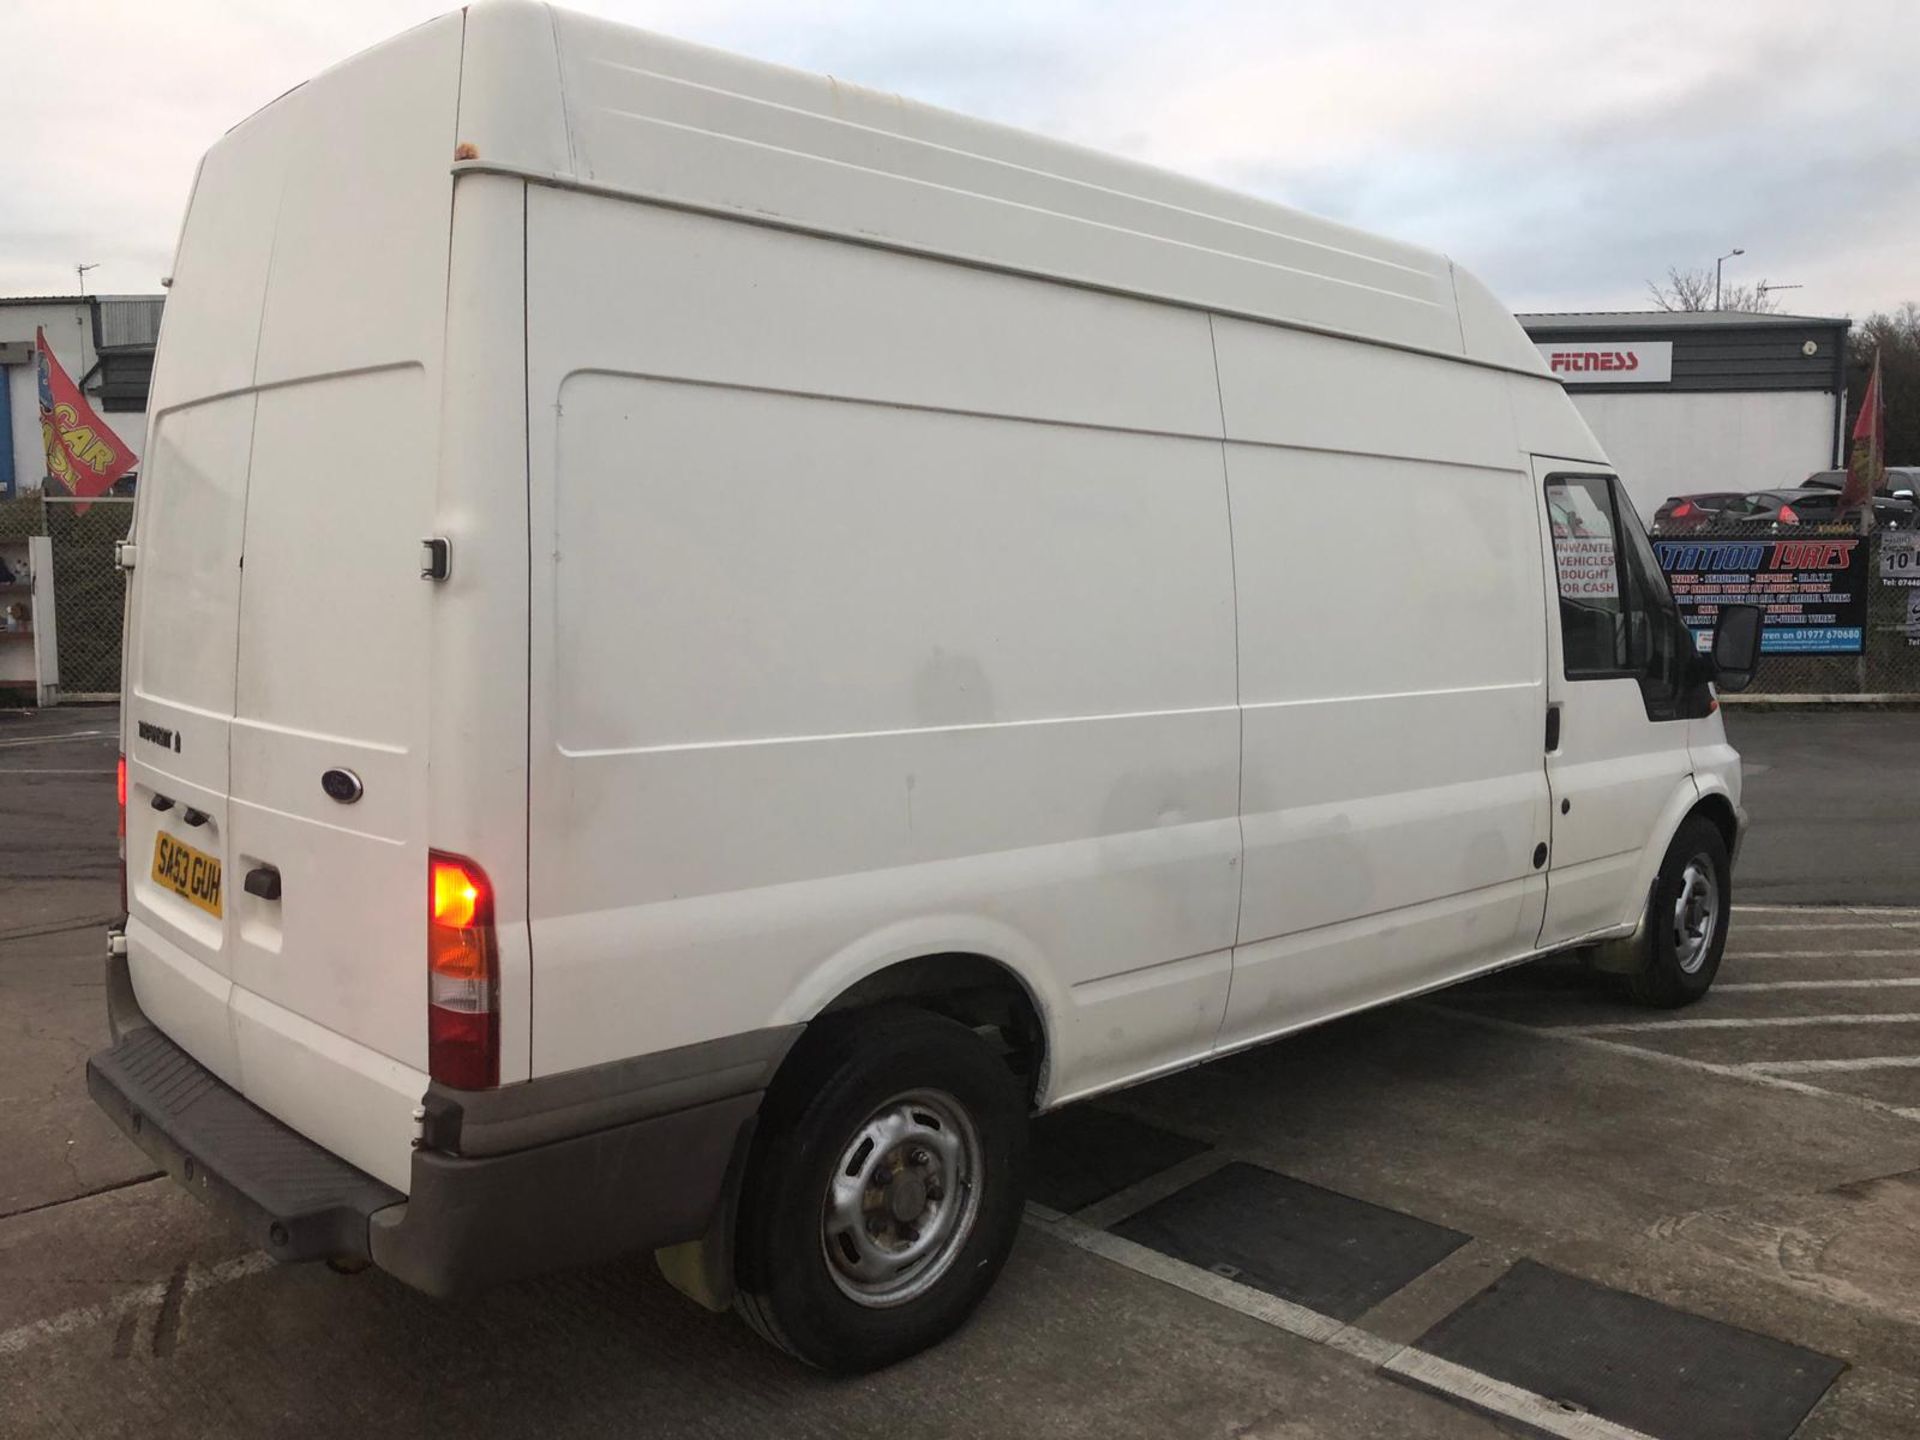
1813,592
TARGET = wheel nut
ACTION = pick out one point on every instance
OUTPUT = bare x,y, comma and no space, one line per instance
920,1157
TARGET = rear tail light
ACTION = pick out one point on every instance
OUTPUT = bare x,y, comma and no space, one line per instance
120,786
1789,516
463,975
1683,509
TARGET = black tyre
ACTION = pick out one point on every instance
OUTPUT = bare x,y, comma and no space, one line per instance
1686,919
884,1190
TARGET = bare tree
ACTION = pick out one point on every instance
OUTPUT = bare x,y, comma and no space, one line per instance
1693,290
1684,290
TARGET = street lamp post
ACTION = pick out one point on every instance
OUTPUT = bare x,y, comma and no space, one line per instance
1716,273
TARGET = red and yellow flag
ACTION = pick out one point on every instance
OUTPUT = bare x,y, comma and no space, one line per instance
84,457
1867,464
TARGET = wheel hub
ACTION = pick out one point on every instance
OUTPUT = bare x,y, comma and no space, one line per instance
1696,914
903,1199
907,1197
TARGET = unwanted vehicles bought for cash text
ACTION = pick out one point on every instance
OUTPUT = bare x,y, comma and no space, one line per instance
726,638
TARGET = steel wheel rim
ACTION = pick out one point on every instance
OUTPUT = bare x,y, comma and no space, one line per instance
1696,914
902,1200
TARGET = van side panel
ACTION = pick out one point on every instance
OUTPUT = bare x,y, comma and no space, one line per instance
669,121
883,608
1392,653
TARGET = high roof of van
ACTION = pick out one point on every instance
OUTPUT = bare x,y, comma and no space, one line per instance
566,99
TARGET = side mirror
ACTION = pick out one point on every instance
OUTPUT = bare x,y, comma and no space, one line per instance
1736,646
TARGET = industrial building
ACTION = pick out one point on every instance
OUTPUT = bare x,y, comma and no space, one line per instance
105,342
1690,401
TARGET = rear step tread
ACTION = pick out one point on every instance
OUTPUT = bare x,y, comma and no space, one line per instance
295,1200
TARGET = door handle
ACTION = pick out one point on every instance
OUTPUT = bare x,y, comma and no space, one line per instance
264,881
1553,728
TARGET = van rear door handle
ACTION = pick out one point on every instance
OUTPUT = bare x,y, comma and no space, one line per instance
264,881
1553,728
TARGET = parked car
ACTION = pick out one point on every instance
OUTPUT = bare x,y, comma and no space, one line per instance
781,636
1814,505
1690,512
1901,482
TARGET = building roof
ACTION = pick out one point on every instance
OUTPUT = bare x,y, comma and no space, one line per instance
1597,320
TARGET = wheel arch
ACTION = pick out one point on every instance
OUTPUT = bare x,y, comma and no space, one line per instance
971,969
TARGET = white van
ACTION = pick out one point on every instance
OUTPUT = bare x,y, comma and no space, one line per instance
703,642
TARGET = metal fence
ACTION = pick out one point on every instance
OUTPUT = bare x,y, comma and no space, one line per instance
88,591
1889,659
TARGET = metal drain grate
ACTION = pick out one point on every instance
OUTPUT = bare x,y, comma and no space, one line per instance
1329,1252
1633,1361
1083,1154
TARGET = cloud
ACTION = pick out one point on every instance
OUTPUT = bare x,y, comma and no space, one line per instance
1566,153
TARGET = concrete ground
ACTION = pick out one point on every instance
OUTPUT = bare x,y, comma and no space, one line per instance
1754,1160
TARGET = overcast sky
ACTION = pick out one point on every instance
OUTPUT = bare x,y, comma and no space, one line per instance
1566,153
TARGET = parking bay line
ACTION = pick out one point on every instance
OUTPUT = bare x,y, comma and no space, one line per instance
1909,954
1576,1035
1910,911
1879,982
36,1332
22,742
1730,1022
1818,1067
1429,1372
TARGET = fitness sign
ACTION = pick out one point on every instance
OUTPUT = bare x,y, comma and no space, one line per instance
1812,592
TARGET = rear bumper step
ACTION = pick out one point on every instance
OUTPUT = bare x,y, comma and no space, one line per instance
295,1200
564,1170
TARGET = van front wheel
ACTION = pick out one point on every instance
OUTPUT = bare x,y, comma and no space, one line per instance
885,1188
1687,919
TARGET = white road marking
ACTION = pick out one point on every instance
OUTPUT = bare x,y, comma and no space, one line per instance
1152,1190
17,744
1497,1396
1826,955
56,772
1878,982
1912,912
1576,1036
1816,1067
1482,1391
1281,1314
1748,927
1717,1022
37,1332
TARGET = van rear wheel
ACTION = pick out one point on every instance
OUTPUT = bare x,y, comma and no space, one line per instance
1686,919
884,1190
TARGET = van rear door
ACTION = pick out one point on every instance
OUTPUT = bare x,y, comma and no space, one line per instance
284,602
184,596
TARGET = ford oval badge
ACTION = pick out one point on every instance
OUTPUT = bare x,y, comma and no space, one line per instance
342,785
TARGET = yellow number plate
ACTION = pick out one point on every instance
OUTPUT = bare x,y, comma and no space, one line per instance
189,873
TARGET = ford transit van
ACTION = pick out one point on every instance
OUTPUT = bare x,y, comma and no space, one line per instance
703,643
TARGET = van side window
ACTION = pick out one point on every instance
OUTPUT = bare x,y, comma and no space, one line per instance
1617,616
1658,643
1593,611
